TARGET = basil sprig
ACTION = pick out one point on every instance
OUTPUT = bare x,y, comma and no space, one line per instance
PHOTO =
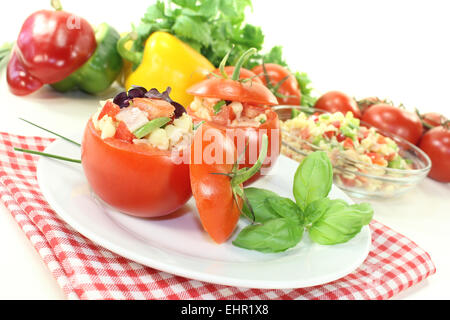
279,223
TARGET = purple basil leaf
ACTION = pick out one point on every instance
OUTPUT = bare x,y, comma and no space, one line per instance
121,99
137,92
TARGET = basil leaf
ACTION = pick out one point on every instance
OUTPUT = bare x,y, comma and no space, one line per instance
257,199
313,179
275,235
286,208
338,222
316,209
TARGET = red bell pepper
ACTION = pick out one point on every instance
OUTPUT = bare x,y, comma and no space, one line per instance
50,46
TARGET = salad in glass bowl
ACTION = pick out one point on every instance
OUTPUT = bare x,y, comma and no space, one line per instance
367,161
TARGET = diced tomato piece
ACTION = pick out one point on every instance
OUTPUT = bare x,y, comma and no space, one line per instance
305,134
347,182
376,158
348,143
226,113
109,109
251,111
329,134
336,124
155,108
390,156
381,140
123,133
340,137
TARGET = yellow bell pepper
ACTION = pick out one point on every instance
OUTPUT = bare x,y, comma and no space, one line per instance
165,62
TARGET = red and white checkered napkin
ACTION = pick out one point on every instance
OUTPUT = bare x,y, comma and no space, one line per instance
85,270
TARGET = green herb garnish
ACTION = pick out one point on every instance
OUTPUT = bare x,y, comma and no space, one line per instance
279,223
151,126
218,106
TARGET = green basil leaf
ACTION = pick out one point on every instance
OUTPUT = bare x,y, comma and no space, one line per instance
286,208
338,222
313,179
257,199
275,235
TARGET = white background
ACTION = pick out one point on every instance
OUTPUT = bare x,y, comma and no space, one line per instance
392,49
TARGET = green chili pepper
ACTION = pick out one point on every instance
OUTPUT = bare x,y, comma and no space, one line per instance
102,68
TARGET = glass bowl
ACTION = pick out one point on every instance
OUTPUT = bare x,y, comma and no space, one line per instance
357,178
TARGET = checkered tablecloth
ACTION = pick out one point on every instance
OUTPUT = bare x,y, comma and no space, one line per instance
85,270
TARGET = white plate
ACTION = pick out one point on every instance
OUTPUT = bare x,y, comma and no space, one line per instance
178,245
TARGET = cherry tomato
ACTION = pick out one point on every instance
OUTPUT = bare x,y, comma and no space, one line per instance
335,101
230,90
134,178
395,120
288,92
218,208
436,144
245,74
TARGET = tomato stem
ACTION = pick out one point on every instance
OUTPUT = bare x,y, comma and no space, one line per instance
56,4
237,69
246,173
223,64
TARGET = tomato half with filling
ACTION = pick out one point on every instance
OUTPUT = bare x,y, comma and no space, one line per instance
256,100
134,178
212,157
248,139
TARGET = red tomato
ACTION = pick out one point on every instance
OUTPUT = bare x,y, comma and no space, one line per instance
395,120
366,103
289,91
251,136
134,178
432,119
218,210
436,144
245,74
230,90
335,101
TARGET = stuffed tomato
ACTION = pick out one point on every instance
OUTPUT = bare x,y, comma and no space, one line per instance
132,155
242,108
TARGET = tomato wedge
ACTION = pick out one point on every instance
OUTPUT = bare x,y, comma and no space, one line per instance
217,207
134,178
216,182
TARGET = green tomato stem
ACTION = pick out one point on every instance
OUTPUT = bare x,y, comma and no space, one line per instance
237,69
246,174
